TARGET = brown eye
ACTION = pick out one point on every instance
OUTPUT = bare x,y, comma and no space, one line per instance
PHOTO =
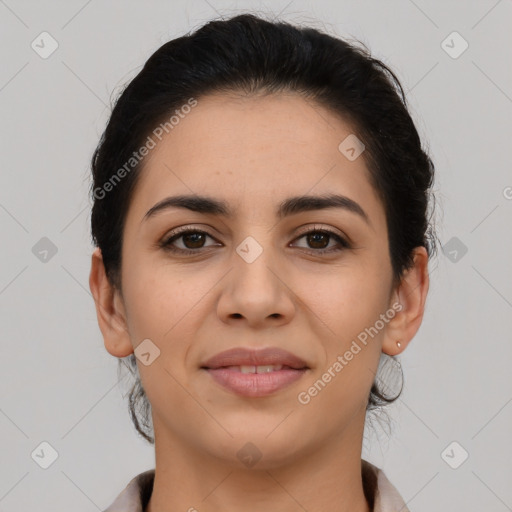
318,240
193,240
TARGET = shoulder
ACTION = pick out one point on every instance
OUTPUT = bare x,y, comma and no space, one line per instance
380,491
135,495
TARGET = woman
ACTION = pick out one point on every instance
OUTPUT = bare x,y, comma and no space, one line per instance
260,221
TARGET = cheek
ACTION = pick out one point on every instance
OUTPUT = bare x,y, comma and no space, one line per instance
165,304
348,306
346,298
351,348
160,306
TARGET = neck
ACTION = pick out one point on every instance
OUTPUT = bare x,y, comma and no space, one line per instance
326,478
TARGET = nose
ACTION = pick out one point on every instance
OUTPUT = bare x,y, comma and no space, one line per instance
256,292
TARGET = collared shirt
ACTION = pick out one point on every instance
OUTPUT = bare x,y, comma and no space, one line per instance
385,497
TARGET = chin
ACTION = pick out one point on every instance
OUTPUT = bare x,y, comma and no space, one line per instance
256,448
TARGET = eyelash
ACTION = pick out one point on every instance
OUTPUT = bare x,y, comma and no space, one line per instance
180,232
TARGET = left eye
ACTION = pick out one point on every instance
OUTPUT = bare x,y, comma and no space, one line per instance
318,237
194,239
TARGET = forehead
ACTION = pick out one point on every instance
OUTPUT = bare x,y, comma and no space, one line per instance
254,151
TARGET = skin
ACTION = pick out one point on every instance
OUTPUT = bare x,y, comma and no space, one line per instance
254,152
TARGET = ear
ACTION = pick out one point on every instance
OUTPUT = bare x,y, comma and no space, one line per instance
109,309
411,294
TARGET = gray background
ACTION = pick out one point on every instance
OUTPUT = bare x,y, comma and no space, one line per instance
58,383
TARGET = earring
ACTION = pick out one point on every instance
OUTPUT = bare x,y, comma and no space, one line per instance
399,344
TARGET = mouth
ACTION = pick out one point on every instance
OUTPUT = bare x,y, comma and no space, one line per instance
255,373
266,368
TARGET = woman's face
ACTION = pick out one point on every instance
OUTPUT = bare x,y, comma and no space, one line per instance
255,279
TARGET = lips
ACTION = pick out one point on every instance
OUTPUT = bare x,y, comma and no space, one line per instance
255,373
244,357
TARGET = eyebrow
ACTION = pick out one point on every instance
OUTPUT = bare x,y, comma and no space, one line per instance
290,206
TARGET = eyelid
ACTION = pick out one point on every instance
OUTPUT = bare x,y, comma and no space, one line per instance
191,227
319,227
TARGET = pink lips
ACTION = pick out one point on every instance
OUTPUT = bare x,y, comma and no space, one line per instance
255,384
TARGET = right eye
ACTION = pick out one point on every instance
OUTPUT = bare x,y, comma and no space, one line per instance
192,238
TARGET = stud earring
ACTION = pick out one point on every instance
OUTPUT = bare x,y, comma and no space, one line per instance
399,344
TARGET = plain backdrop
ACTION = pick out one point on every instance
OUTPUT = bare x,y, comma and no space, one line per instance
446,442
